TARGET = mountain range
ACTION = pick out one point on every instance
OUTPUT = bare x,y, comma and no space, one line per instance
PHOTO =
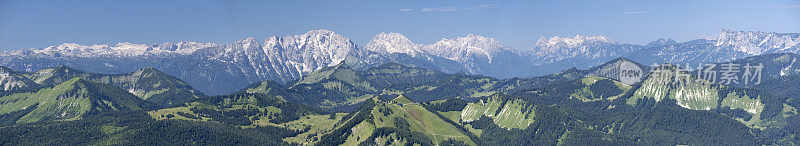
394,104
209,66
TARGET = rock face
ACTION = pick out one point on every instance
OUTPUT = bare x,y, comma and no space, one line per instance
757,43
11,80
726,46
388,43
211,67
314,50
588,47
482,55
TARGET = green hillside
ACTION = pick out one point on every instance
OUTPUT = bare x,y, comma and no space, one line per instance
148,83
341,88
152,85
506,120
761,109
256,111
399,121
137,128
69,100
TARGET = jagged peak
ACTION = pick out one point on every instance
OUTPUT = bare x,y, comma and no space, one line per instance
321,35
396,37
470,44
662,42
118,46
391,35
477,38
320,32
76,46
130,46
314,36
119,49
729,33
247,40
756,42
470,38
392,43
572,41
249,45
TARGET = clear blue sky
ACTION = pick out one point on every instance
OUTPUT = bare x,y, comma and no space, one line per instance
36,24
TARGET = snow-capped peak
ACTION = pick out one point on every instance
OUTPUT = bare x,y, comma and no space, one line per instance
311,51
316,39
249,45
388,43
183,47
120,49
248,39
662,41
575,41
756,43
127,46
462,47
549,50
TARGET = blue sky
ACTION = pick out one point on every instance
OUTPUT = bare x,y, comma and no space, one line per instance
36,24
